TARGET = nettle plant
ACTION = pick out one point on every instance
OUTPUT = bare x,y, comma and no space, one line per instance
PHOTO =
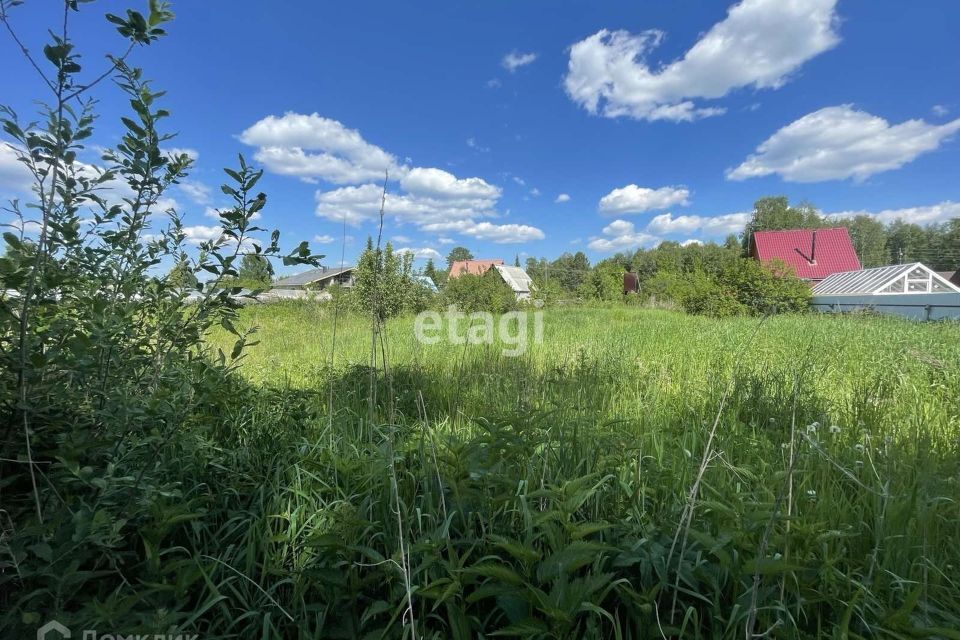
103,358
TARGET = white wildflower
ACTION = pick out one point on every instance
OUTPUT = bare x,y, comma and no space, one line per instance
834,429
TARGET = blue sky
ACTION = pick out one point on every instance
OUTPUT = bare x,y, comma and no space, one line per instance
537,127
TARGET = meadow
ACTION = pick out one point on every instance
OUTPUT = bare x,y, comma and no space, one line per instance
638,474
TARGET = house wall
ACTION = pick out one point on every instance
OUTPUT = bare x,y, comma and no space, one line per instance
917,306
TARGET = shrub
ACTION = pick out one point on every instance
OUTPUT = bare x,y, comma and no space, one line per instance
105,375
766,287
604,282
480,293
702,295
745,286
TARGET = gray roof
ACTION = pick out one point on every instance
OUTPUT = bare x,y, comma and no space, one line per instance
516,277
898,278
309,277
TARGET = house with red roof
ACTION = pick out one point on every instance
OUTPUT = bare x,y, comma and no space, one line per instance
814,254
472,267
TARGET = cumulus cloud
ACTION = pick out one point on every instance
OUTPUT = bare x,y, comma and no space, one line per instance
923,215
199,233
433,210
193,154
563,197
667,223
424,253
514,60
498,233
620,235
437,183
759,44
362,203
312,147
196,191
634,199
15,178
840,142
324,239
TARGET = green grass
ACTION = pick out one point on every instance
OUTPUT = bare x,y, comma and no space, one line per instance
540,496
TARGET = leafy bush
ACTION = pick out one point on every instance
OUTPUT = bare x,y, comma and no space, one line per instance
603,282
104,372
766,287
479,293
384,279
702,295
744,286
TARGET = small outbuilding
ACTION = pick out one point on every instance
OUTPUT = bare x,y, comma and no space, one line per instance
909,290
517,279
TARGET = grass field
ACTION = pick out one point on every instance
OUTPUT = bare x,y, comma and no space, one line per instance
639,474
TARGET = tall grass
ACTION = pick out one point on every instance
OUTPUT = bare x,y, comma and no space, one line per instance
541,493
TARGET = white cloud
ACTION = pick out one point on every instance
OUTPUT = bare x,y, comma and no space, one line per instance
400,240
443,240
423,253
312,147
840,142
196,191
721,225
563,197
193,154
514,60
493,83
690,241
520,181
15,178
939,110
324,239
503,233
759,44
198,234
924,215
535,192
634,199
438,183
620,235
498,233
438,206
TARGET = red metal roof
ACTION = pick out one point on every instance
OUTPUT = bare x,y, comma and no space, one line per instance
832,253
473,267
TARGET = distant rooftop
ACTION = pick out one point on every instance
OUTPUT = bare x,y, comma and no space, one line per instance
472,267
813,253
311,276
